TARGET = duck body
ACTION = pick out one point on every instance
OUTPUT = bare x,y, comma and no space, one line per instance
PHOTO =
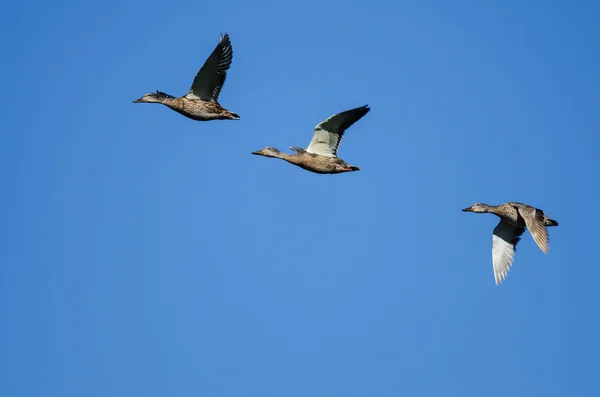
310,161
511,213
191,107
514,217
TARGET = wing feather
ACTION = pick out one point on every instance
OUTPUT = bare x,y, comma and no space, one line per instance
504,244
211,77
534,219
329,133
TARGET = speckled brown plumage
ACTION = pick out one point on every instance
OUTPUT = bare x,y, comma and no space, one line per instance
197,109
310,161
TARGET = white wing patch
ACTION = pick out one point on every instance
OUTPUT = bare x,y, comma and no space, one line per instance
328,134
323,143
503,254
191,95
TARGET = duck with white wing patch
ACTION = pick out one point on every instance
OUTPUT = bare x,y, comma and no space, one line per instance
514,219
321,154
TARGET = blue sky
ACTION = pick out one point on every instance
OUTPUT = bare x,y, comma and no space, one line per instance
146,254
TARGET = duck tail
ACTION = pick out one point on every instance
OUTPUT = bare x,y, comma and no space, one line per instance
550,222
232,116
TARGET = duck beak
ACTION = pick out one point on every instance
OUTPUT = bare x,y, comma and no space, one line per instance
259,152
468,209
137,100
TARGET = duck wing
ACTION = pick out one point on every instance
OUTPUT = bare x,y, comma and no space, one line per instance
211,77
535,221
329,133
504,244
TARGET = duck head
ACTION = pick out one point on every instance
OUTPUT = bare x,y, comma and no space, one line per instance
268,152
153,97
477,207
150,97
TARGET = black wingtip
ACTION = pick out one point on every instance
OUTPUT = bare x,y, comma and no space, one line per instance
364,110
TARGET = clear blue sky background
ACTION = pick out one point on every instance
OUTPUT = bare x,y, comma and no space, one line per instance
146,254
